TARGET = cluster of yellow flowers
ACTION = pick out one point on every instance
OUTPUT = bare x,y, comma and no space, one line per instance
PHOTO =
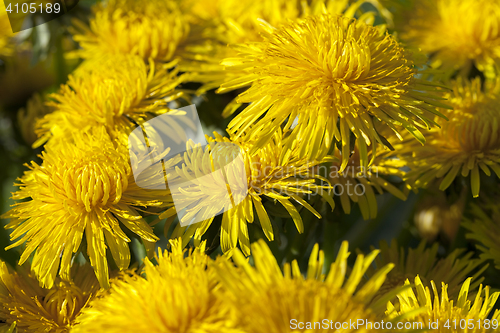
370,90
190,292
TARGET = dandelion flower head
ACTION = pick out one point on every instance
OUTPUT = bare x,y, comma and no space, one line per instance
180,291
117,92
228,22
39,310
337,76
151,29
84,186
289,295
452,270
449,312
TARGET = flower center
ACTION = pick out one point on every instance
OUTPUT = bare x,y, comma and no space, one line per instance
64,302
97,184
336,60
95,180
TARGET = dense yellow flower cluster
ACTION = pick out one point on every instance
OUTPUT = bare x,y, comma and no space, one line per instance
331,102
444,315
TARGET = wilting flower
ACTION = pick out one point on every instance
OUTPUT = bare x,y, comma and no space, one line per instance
273,173
177,295
38,310
83,186
456,33
332,76
484,228
118,92
447,315
452,270
277,300
466,144
152,29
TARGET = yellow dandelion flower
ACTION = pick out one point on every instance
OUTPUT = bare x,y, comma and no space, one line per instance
333,76
273,173
220,23
424,261
177,295
83,186
466,144
443,314
361,185
117,92
151,29
37,310
456,33
292,299
484,228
